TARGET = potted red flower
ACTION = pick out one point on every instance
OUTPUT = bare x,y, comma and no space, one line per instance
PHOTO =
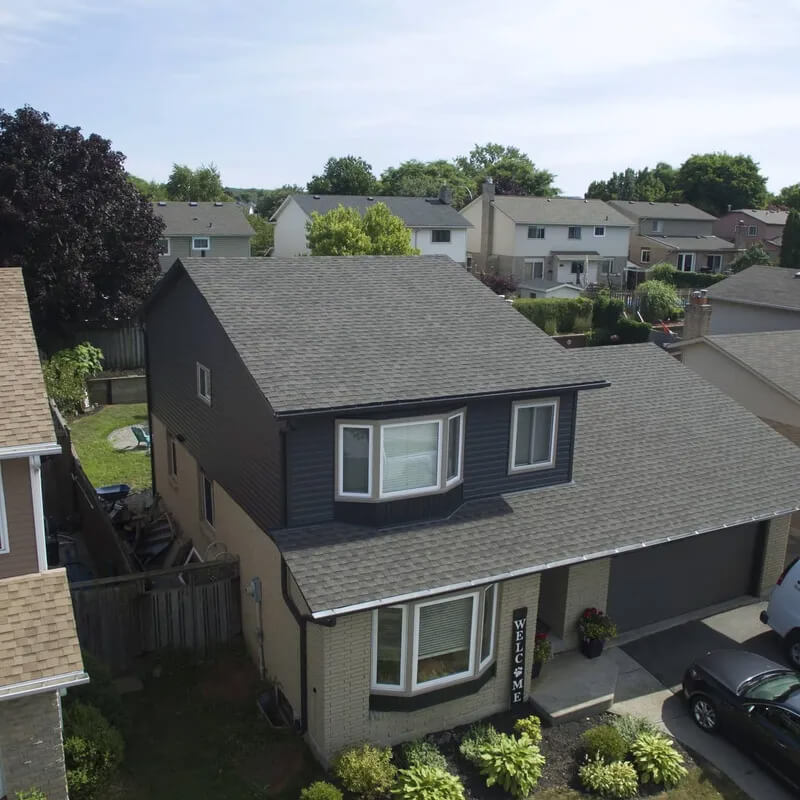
594,627
542,652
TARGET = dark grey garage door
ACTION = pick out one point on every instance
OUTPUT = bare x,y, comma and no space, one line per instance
667,580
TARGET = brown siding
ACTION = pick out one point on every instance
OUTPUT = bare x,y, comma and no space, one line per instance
22,557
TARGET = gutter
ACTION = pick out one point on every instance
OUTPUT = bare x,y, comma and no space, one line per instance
24,450
41,685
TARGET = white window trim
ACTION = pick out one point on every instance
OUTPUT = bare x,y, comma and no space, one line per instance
488,660
459,476
599,235
678,261
752,231
440,452
449,233
203,518
550,463
340,456
578,228
458,676
641,255
403,646
195,238
206,398
5,544
169,246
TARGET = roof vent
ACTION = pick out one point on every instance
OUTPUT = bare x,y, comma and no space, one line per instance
192,203
548,199
162,202
630,202
676,204
316,197
585,200
797,274
652,203
370,198
217,203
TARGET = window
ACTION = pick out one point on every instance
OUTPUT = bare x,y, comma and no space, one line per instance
686,262
410,457
533,428
163,246
599,230
206,498
657,225
389,644
714,263
752,231
204,383
4,543
440,237
355,444
538,270
606,266
172,456
527,270
577,267
644,256
201,243
455,444
574,232
444,635
536,231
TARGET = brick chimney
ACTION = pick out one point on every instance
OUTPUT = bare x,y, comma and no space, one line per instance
487,224
445,195
697,322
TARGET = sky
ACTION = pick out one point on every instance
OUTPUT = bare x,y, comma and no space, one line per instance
269,91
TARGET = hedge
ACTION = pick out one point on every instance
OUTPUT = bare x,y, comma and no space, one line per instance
683,280
557,314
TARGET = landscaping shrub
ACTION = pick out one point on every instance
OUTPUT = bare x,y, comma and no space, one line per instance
476,738
514,764
320,790
557,314
99,692
93,749
604,742
630,727
499,284
617,779
65,375
366,771
631,331
422,753
656,760
606,311
594,624
531,727
425,782
657,299
667,273
31,794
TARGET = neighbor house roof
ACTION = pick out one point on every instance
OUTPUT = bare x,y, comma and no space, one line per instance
716,467
689,243
543,285
559,211
760,285
764,215
374,330
38,640
416,212
25,420
202,219
641,209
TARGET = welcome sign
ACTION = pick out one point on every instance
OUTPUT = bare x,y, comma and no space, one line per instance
519,632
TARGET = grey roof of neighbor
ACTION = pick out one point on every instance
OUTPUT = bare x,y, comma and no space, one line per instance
639,209
542,284
319,332
763,215
416,212
760,285
202,219
777,241
559,211
716,466
692,242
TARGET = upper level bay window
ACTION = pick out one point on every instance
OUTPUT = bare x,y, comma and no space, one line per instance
392,459
533,435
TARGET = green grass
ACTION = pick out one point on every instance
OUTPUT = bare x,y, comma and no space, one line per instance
102,464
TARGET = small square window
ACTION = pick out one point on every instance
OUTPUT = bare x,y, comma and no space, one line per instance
163,246
599,230
201,243
574,232
644,256
533,439
206,498
204,383
752,231
657,225
536,231
440,237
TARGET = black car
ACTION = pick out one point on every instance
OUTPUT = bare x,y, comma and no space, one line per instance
752,700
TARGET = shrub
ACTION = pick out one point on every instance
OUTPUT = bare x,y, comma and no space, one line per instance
366,771
31,794
65,375
542,649
656,760
617,780
656,300
425,782
631,331
604,742
93,749
99,692
606,311
476,738
531,727
320,790
557,314
630,727
514,764
664,272
499,284
422,753
667,273
594,624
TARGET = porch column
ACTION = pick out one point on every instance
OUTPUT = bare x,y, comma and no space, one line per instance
775,540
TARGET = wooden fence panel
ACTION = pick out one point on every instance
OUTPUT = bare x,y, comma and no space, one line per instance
123,347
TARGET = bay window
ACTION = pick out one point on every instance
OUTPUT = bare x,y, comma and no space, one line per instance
410,457
533,434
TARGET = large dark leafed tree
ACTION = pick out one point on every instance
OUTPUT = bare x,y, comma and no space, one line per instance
85,238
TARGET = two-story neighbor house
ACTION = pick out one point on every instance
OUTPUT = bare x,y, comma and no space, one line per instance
410,492
435,227
547,242
39,651
202,229
676,233
749,226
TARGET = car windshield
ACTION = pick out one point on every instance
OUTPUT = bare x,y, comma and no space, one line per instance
775,687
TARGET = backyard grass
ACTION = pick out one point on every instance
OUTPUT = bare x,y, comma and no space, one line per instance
102,464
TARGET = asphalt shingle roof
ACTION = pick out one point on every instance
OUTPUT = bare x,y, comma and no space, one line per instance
763,215
559,211
693,242
717,466
202,219
416,212
320,332
639,209
760,285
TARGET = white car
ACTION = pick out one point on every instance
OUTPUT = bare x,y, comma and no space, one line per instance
783,611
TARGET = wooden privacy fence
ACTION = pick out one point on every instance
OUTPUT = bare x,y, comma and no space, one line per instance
194,607
123,346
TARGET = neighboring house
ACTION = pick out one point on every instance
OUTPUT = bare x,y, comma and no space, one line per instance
408,490
202,229
557,240
749,226
677,233
39,652
760,298
436,228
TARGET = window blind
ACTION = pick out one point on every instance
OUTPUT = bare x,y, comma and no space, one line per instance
445,627
355,460
410,456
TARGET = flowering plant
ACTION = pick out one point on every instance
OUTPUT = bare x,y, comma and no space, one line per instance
594,624
542,649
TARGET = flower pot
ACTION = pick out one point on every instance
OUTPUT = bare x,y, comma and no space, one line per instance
592,648
536,670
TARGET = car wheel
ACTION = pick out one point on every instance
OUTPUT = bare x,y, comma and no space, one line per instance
704,713
793,648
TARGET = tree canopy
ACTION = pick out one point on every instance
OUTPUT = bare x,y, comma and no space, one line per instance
714,181
270,199
512,170
790,248
265,235
86,239
425,179
345,175
201,185
789,196
652,185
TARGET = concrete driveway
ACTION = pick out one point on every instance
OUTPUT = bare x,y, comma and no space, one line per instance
650,674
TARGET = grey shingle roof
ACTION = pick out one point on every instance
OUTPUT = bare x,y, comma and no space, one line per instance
416,212
202,219
690,243
330,332
717,466
559,211
638,209
760,285
762,215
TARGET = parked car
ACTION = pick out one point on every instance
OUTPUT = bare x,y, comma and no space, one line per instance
783,611
753,701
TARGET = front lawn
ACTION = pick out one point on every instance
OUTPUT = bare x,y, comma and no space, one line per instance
104,465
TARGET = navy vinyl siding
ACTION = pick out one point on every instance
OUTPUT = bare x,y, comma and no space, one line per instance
236,440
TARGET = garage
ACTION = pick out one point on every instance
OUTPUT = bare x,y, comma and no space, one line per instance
667,580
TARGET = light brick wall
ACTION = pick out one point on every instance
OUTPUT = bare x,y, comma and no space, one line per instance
587,587
775,543
31,745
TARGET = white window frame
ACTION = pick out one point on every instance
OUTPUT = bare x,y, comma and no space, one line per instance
642,257
657,225
459,476
194,240
538,264
488,660
340,458
550,463
680,261
172,457
442,230
203,478
5,544
599,228
169,246
392,687
206,398
752,231
535,229
607,266
577,228
422,489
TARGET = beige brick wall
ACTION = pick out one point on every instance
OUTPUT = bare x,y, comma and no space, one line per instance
587,587
31,747
774,553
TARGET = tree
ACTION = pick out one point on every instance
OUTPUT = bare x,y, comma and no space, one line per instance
86,239
425,179
713,181
152,190
789,196
656,185
753,255
346,175
512,171
658,300
344,232
790,246
270,199
265,235
201,185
